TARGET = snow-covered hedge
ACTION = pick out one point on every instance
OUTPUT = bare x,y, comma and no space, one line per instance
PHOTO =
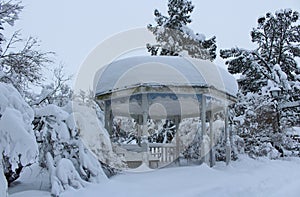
18,147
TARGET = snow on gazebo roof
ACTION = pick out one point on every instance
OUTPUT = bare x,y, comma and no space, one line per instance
163,70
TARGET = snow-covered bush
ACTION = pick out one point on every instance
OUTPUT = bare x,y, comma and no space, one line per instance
63,175
166,133
159,131
124,131
189,136
3,182
190,139
62,152
237,148
257,122
264,149
88,119
18,147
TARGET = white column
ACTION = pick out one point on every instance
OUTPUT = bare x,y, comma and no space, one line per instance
144,140
212,155
177,122
203,127
139,128
228,146
145,114
230,134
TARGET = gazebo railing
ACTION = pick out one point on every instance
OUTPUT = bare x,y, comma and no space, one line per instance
160,154
164,152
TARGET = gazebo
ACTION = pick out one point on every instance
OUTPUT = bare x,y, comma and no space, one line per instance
164,87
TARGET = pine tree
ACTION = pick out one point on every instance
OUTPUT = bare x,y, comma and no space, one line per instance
174,37
270,65
278,43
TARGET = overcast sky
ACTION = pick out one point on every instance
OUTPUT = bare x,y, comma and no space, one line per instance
73,28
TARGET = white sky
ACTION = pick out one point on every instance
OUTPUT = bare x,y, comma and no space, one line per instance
73,28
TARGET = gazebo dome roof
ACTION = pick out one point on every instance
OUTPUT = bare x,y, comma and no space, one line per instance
163,70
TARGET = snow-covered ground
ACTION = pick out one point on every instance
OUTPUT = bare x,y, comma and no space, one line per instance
245,177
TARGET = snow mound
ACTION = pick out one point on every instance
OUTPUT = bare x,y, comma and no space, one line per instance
244,177
31,193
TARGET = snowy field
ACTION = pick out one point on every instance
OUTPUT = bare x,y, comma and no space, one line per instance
245,177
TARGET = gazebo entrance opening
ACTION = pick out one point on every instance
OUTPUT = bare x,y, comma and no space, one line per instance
138,93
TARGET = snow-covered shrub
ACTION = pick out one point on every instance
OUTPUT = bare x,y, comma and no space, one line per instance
88,119
18,147
265,149
63,175
166,133
286,144
62,152
256,121
189,138
3,182
124,131
159,131
237,148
